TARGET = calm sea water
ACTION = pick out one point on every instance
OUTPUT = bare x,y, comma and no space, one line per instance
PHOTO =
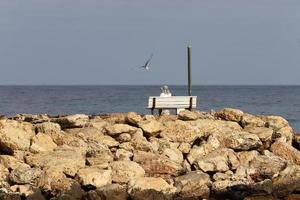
277,100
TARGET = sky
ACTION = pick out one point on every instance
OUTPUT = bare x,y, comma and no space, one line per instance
83,42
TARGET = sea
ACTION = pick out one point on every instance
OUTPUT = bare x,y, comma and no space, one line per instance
266,100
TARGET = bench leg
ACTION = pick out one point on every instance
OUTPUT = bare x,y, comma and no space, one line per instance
152,111
159,111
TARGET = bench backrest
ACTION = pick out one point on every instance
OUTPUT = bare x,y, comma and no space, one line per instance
172,102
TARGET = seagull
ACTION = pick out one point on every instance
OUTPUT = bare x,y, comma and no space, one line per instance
146,65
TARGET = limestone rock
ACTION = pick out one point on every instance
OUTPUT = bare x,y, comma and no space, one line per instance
264,134
251,120
230,114
184,147
220,160
124,171
27,190
115,117
286,152
98,154
112,192
179,131
146,188
15,136
48,128
173,154
42,142
193,185
11,162
133,118
71,121
275,122
117,129
122,154
151,127
124,137
3,176
24,175
67,159
157,165
187,115
285,132
93,176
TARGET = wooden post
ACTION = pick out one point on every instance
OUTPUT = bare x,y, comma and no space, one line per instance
189,52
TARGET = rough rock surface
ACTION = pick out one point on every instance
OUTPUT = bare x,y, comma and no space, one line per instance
226,154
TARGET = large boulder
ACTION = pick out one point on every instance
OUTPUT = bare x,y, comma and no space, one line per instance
230,114
98,154
157,165
187,115
133,118
179,131
71,121
42,142
251,120
15,136
93,176
11,162
264,134
66,159
193,185
117,129
275,122
285,132
286,152
151,127
48,128
124,171
24,175
145,188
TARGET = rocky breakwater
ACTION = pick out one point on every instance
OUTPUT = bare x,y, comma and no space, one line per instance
195,155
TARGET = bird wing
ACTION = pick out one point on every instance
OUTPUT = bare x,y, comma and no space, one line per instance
148,61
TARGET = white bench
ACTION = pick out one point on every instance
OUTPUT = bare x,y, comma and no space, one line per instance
175,102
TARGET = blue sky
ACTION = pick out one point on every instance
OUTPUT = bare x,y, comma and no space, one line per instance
105,41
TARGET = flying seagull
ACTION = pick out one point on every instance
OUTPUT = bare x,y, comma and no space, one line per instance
146,65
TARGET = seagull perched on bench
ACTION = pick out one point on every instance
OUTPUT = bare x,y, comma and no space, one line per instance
146,65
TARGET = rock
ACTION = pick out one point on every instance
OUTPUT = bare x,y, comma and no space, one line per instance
220,160
264,134
122,154
66,159
97,123
142,144
193,185
251,120
115,117
31,118
286,152
98,154
15,136
117,129
93,176
126,146
48,128
28,191
151,127
275,122
133,118
42,142
157,165
24,175
145,188
124,137
3,176
184,147
124,171
187,115
239,140
11,162
71,121
230,114
285,132
149,117
113,192
179,131
296,141
173,154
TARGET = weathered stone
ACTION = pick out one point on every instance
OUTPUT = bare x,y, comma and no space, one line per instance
184,147
15,135
156,165
117,129
133,118
251,120
42,142
286,152
124,171
98,154
24,175
146,188
239,140
11,162
48,128
98,123
219,160
31,118
27,190
93,176
115,117
193,185
124,137
3,176
173,154
151,127
67,159
230,114
122,154
285,132
71,121
179,131
264,134
275,122
187,115
112,192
